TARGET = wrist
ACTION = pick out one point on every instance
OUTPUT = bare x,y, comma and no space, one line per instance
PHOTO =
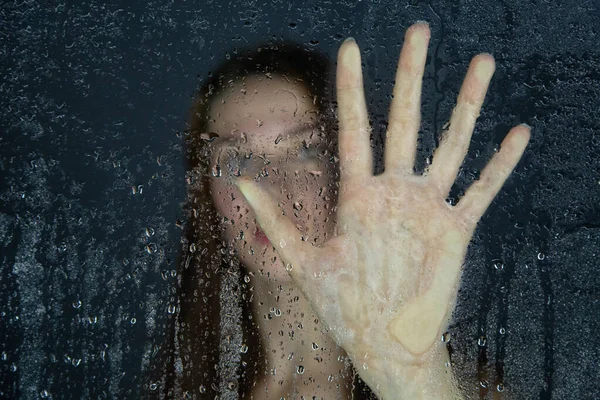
428,378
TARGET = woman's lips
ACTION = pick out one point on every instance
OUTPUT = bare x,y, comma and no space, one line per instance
261,237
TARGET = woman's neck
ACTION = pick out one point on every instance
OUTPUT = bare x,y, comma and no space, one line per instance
299,354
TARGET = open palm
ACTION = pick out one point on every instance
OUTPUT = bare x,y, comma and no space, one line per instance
386,283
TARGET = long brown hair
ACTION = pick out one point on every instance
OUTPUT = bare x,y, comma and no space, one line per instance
207,352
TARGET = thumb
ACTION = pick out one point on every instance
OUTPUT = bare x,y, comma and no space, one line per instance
280,230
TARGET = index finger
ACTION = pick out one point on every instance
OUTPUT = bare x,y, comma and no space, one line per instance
354,146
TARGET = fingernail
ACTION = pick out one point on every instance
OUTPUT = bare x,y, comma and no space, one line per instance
245,187
526,125
349,39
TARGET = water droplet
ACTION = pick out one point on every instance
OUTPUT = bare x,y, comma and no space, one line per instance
484,383
171,309
230,385
498,265
278,139
216,170
139,189
298,206
519,226
247,278
208,136
300,369
77,304
193,248
330,378
76,362
153,386
278,312
289,267
44,394
149,232
315,346
244,349
365,366
446,337
541,256
13,367
481,341
282,243
133,321
502,331
151,248
202,389
500,387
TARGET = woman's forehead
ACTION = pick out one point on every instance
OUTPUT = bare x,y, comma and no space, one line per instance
261,104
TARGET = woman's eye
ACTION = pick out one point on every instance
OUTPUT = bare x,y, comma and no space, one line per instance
232,161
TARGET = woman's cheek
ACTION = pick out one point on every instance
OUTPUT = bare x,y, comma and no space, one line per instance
314,216
232,210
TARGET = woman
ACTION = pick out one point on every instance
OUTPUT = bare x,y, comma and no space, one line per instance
384,284
261,115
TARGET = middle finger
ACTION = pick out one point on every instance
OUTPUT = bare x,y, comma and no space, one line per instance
405,110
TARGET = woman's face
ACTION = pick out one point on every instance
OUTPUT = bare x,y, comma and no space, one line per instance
267,129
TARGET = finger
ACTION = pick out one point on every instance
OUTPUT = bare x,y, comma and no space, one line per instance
455,141
405,110
481,193
354,146
278,228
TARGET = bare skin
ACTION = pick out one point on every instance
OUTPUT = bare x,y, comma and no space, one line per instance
254,116
386,283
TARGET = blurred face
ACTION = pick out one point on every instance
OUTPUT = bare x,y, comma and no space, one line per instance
268,131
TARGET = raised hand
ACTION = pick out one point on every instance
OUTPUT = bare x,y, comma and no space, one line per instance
385,285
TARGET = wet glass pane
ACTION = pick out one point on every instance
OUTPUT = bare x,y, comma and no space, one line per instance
133,267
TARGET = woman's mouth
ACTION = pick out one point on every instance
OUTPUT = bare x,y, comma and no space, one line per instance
260,236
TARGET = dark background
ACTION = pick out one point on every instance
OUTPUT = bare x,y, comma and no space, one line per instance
93,98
